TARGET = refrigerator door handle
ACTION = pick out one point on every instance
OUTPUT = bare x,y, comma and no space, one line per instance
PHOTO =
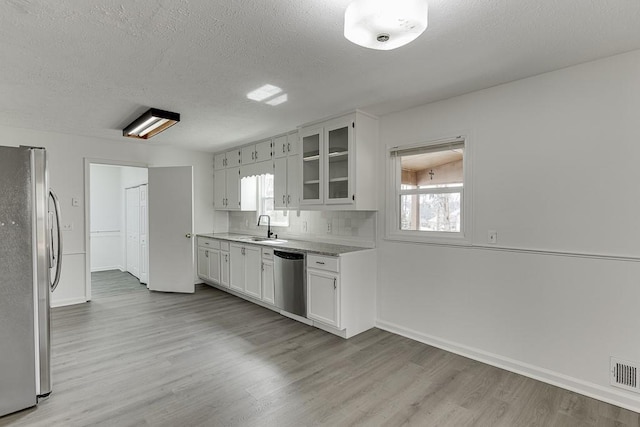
58,255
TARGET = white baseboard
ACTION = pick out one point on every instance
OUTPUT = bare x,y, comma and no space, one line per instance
108,268
614,397
68,301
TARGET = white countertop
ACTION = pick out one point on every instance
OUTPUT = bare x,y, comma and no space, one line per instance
296,245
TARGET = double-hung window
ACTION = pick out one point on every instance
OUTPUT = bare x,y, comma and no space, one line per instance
428,192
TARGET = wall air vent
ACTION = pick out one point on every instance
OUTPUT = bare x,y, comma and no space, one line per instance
625,375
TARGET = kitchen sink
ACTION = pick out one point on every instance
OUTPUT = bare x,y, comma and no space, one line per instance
264,240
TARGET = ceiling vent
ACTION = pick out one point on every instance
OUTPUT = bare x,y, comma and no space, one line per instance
625,375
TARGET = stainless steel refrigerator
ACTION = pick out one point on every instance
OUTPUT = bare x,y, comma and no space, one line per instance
30,254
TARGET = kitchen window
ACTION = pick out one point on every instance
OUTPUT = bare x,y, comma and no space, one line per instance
266,202
429,192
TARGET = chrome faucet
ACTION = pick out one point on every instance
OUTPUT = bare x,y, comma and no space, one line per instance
269,233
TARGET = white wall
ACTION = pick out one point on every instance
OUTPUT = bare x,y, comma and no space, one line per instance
106,225
555,169
66,169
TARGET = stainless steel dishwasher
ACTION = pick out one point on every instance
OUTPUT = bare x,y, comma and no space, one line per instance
289,281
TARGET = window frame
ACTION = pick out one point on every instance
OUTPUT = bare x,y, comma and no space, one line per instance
394,193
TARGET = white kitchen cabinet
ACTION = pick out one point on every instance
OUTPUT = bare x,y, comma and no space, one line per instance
233,189
268,285
208,266
224,264
258,152
341,292
228,159
245,269
233,158
286,173
312,148
280,183
323,297
338,163
236,267
253,271
340,289
213,255
203,264
293,182
231,192
285,145
220,189
219,161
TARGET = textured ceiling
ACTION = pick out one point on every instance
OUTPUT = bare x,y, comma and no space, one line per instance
89,68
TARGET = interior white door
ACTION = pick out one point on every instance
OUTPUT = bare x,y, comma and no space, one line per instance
133,230
170,204
144,230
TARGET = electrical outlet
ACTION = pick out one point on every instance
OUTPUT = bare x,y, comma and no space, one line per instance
328,227
493,237
304,226
67,227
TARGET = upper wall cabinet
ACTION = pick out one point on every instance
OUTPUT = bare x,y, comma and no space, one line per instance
286,184
338,163
229,159
285,145
257,152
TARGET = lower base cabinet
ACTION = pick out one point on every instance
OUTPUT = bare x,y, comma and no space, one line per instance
268,285
340,290
224,265
245,269
322,297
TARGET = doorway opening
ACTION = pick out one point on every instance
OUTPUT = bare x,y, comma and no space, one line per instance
118,229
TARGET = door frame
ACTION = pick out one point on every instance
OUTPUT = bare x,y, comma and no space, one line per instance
88,161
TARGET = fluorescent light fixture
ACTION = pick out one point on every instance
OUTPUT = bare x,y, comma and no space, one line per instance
278,100
385,24
264,92
151,123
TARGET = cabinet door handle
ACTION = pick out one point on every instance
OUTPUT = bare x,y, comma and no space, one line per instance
289,199
206,254
242,251
334,283
256,155
263,266
320,262
283,148
283,199
288,146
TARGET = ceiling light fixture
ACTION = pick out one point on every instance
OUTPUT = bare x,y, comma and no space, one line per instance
277,100
264,92
151,123
385,24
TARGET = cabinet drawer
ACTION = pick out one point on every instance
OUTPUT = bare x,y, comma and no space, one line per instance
267,253
224,246
322,262
208,243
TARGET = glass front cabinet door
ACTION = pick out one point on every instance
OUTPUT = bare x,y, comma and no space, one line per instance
312,166
338,137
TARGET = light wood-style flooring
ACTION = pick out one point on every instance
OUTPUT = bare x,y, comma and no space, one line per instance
133,358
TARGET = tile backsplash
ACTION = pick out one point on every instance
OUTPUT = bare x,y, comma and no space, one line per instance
346,227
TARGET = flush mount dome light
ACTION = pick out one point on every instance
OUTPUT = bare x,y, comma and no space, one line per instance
151,123
385,24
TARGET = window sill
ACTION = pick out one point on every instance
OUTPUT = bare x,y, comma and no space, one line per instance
432,238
